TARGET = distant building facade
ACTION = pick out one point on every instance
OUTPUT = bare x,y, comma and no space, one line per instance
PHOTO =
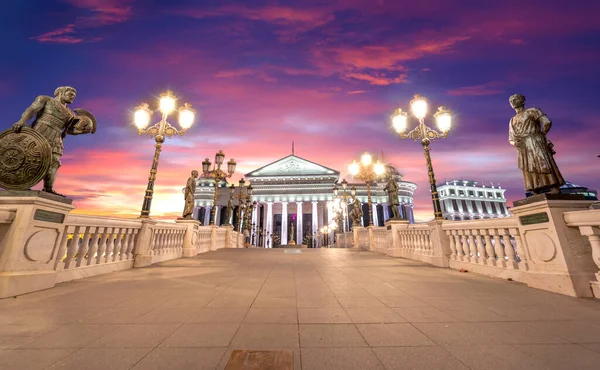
470,200
294,190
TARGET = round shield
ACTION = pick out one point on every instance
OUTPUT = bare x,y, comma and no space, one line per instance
25,158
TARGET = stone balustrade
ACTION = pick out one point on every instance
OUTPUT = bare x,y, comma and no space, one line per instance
203,237
588,223
344,240
491,247
167,242
92,245
363,238
380,239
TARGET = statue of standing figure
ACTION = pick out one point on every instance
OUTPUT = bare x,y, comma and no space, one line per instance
392,191
190,189
356,213
54,120
535,154
229,210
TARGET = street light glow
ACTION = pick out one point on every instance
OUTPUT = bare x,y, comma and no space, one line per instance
366,159
379,168
419,106
353,168
443,118
399,121
167,102
141,117
186,116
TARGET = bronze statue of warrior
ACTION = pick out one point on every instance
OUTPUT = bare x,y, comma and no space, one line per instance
190,189
356,213
54,120
535,154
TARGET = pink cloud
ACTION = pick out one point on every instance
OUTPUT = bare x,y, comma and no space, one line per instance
490,88
103,13
63,35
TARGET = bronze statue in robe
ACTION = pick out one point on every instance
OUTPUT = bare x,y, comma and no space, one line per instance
392,191
54,120
535,154
190,189
229,210
356,213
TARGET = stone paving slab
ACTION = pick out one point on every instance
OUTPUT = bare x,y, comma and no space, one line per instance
333,308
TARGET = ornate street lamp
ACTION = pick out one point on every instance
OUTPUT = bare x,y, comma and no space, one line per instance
424,133
367,171
240,205
141,119
248,208
343,203
228,221
217,174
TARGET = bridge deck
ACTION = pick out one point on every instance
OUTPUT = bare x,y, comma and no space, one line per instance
336,309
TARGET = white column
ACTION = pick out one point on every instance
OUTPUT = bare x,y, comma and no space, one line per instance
206,215
411,214
269,225
375,217
284,224
386,212
315,222
329,219
254,222
217,216
299,233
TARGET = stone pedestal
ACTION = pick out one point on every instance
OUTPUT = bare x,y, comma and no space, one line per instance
29,242
355,230
559,258
191,234
395,224
143,242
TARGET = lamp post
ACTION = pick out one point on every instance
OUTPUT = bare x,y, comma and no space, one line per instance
424,133
248,208
142,117
217,174
344,204
240,206
367,171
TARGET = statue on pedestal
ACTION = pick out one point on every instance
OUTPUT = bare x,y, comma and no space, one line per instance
535,154
292,241
356,213
22,167
190,189
229,210
392,191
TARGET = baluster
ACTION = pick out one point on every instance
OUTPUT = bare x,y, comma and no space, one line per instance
117,245
509,249
124,240
462,237
72,247
430,243
480,247
62,249
93,247
489,248
161,243
520,250
500,261
460,254
153,242
129,252
472,246
101,246
454,254
83,247
110,243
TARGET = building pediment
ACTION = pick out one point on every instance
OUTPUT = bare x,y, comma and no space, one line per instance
292,166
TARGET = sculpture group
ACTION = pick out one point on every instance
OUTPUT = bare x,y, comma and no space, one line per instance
31,154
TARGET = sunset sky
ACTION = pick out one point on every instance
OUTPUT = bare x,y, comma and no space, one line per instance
324,74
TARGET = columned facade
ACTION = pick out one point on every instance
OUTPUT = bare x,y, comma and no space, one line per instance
296,190
468,200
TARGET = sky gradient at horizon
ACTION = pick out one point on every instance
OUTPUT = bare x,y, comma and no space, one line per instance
324,74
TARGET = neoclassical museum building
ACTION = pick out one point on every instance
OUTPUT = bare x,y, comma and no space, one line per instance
294,193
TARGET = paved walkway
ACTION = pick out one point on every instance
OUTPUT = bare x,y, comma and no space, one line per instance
337,309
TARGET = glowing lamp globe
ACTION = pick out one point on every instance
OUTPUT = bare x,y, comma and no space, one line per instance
167,102
366,159
443,119
399,121
141,117
353,168
186,116
419,106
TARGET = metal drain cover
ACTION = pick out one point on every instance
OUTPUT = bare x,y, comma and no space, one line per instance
260,360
